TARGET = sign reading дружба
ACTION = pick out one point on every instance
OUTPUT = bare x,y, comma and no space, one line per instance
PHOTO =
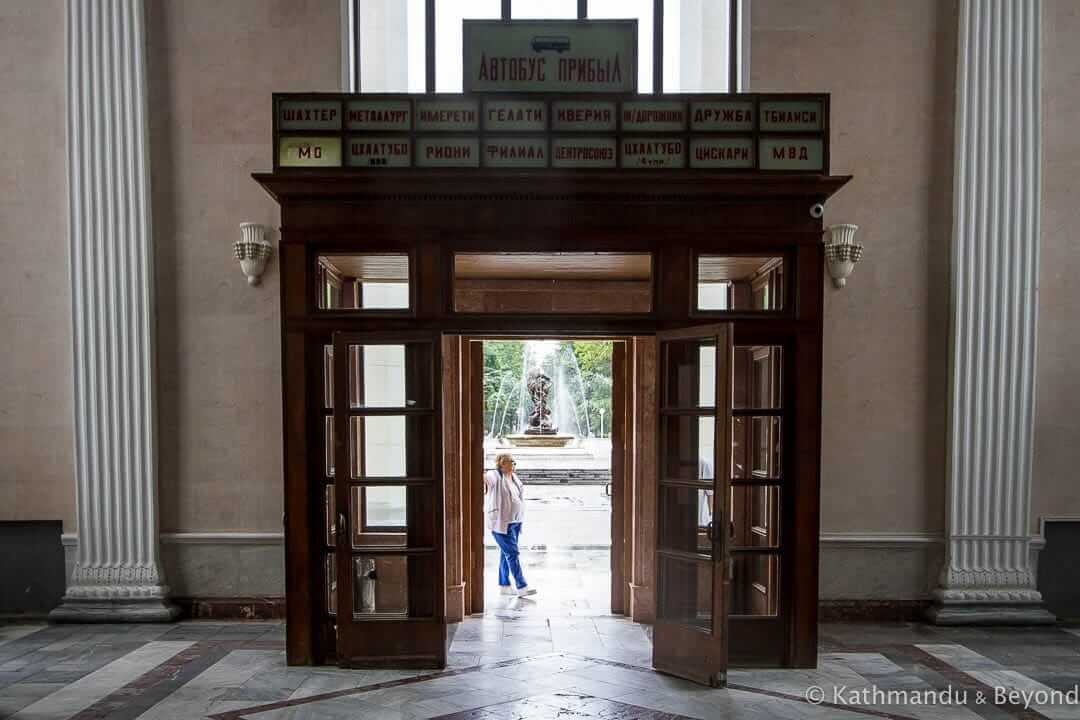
593,56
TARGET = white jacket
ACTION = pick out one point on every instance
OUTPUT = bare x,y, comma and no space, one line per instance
504,500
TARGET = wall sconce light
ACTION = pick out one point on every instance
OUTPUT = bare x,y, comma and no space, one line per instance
841,252
252,250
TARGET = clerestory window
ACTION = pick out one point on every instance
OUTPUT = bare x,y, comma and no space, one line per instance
414,46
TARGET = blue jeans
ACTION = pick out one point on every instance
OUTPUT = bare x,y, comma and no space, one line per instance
509,563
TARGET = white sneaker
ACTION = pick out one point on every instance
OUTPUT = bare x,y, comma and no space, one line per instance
523,592
506,590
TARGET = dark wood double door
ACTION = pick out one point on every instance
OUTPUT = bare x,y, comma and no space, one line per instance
712,400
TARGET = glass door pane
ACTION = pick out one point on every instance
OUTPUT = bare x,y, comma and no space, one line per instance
389,566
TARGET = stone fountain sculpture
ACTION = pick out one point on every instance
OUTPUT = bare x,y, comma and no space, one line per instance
539,386
540,431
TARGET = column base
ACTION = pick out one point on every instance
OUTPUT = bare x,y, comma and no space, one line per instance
129,610
989,614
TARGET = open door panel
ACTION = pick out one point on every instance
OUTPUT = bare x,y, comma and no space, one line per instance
692,566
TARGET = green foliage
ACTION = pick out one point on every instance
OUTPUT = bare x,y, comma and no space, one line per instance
594,361
502,384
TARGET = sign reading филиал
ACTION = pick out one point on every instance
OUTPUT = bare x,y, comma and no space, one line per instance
588,56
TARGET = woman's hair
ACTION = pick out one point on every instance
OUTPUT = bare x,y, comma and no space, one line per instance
501,458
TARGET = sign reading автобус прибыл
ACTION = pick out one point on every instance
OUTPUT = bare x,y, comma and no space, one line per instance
551,56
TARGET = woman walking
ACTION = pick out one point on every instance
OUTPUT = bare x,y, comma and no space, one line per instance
504,507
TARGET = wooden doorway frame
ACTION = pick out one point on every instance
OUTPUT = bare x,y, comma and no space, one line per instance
676,215
464,456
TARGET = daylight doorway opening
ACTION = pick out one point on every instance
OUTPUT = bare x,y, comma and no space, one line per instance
548,404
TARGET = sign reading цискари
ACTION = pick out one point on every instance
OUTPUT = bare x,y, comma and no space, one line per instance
552,94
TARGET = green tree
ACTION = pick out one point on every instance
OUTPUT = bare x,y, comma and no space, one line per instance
594,361
502,385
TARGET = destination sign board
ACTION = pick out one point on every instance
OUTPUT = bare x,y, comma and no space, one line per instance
437,151
448,115
791,115
596,56
309,115
791,153
515,115
584,152
722,152
379,151
515,152
653,152
721,115
309,151
651,115
378,115
732,132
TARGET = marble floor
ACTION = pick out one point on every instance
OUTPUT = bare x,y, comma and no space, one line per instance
522,660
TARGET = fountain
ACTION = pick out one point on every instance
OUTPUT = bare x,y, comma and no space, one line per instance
542,429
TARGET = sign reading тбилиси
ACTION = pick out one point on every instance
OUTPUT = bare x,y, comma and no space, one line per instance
591,56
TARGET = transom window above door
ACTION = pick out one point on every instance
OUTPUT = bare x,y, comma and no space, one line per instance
553,282
740,283
389,45
376,281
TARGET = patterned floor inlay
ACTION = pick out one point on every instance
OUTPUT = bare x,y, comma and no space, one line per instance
523,662
571,706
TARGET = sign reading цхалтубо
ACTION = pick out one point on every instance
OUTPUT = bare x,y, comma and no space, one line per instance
732,132
589,56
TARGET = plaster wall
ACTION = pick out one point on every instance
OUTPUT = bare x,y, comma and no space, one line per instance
212,69
37,477
1056,485
890,67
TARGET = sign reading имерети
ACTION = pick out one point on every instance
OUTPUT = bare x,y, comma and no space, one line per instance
590,56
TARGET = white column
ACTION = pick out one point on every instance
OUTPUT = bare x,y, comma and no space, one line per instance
117,573
987,576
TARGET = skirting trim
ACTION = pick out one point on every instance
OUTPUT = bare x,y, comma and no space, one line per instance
873,610
238,608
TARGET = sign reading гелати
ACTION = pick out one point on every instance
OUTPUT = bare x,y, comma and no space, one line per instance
588,56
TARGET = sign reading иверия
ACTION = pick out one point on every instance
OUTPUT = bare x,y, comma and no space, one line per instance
730,132
591,56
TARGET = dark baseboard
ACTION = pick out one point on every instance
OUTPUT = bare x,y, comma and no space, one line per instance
238,608
873,610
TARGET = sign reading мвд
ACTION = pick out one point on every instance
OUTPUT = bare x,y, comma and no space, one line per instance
595,56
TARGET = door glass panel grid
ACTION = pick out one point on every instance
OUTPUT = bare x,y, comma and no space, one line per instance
757,378
385,490
757,446
390,376
754,589
689,382
389,447
391,517
392,586
688,518
755,516
685,591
